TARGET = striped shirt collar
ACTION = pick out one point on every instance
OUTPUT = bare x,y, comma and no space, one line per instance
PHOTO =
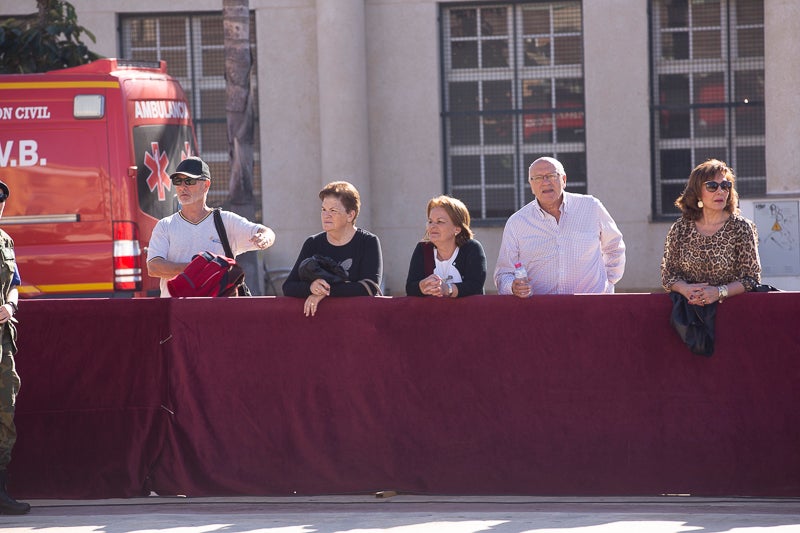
539,211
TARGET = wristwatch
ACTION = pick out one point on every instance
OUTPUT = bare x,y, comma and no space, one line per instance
723,293
449,289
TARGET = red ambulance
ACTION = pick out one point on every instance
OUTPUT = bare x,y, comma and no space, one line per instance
87,152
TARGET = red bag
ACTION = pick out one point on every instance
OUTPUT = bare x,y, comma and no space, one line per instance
207,275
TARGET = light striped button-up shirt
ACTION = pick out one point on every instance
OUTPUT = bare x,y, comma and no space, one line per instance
581,253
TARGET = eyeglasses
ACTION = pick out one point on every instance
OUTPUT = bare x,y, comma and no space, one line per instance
177,180
712,186
545,177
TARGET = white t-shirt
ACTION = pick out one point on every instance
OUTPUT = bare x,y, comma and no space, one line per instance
445,269
178,240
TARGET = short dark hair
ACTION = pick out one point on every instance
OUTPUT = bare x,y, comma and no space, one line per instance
346,193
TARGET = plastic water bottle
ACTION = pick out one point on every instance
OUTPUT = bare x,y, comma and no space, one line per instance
520,272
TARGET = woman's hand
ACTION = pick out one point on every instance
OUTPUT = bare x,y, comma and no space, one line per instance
311,304
431,286
320,287
700,293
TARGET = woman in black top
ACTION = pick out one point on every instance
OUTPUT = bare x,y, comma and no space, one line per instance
448,262
357,251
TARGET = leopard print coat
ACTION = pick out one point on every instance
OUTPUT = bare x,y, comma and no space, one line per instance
731,254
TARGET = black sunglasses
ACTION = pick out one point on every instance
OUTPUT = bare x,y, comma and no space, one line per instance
177,180
712,186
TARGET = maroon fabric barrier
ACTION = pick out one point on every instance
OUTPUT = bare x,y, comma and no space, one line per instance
89,417
555,395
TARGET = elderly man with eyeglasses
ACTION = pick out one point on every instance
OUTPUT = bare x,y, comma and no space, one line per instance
568,243
178,237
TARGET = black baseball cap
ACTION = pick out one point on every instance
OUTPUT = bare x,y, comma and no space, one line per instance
194,167
4,192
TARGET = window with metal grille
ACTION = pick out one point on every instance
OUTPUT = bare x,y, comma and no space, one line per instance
512,91
193,47
707,93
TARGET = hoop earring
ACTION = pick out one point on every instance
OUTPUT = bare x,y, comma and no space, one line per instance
700,204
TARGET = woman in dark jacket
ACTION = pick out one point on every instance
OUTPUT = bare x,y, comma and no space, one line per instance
448,262
355,252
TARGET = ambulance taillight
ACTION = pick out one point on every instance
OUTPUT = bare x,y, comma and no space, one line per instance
127,257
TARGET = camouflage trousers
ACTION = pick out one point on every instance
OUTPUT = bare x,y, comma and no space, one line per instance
9,388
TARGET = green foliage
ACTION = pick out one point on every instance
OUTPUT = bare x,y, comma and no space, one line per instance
50,40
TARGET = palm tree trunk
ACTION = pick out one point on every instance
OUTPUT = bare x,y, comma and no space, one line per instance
239,112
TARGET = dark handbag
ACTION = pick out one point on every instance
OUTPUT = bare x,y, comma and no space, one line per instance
694,323
243,289
319,266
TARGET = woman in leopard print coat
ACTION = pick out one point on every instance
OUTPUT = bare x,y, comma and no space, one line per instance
711,252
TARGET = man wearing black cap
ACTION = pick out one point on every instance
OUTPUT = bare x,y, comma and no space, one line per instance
9,379
177,238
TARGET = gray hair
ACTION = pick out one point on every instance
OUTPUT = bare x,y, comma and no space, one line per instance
553,161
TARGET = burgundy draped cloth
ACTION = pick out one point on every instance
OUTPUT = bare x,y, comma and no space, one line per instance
554,395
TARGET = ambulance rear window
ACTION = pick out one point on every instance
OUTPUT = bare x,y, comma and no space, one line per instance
89,106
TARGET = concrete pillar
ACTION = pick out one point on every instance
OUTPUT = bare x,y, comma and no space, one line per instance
782,79
344,132
617,114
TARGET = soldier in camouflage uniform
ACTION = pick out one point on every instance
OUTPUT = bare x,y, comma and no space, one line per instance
9,379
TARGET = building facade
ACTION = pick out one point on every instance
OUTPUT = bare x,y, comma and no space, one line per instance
409,99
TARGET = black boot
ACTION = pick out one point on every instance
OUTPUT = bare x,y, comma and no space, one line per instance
9,505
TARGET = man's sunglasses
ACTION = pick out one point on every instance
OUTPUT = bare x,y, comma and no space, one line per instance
712,186
177,180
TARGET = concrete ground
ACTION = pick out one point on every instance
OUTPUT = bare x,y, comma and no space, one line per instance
407,513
